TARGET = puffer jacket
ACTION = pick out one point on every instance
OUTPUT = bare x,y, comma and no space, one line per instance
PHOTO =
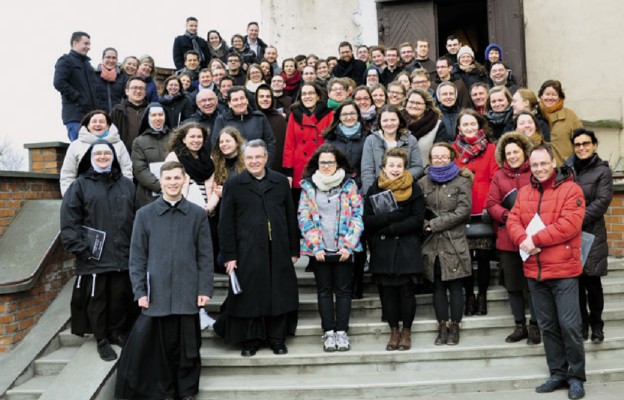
178,108
596,180
374,149
102,201
451,201
109,94
304,134
505,180
560,203
349,223
483,167
78,148
395,246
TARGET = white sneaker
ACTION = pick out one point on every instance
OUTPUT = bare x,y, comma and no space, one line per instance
205,320
342,342
329,341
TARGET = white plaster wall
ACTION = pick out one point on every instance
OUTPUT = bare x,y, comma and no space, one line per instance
36,32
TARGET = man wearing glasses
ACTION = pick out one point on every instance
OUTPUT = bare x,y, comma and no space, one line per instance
348,66
127,115
235,71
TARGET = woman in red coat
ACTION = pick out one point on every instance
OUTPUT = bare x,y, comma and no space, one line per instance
478,155
304,133
512,155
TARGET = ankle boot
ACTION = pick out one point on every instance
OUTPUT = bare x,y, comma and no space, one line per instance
469,306
442,334
395,337
481,308
518,334
453,334
534,336
406,340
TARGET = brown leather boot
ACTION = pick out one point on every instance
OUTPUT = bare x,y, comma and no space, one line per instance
442,334
519,333
534,336
453,334
406,340
395,337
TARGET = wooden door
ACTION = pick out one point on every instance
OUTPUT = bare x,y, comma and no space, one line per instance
401,21
506,28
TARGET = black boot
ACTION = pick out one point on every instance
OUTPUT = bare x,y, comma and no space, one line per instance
442,334
470,304
534,336
453,334
518,334
481,308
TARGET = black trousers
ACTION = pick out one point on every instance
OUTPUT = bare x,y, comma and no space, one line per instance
440,299
591,296
333,278
399,304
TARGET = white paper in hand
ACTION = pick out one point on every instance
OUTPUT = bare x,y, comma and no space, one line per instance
534,226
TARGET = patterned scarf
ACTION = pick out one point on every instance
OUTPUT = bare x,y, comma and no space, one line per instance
401,187
470,147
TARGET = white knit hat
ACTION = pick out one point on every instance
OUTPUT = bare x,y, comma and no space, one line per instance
465,50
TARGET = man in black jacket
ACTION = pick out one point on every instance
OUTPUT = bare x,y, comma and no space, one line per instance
207,110
75,80
256,44
190,41
348,66
128,114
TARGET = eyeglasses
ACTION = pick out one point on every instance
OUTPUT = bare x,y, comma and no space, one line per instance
581,144
327,163
210,100
348,114
337,89
416,103
441,158
392,92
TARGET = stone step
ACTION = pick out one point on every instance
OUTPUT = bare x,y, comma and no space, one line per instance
31,389
392,383
68,339
53,363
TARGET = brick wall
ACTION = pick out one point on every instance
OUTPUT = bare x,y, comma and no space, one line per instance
615,225
19,312
16,188
46,157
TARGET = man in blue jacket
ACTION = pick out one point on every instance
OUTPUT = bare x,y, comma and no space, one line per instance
75,80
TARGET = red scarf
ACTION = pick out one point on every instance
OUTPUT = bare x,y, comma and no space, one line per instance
109,75
292,83
470,147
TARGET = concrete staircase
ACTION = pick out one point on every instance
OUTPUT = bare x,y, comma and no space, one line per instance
481,365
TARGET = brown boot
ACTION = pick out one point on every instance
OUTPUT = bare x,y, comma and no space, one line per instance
518,334
534,336
453,334
395,337
406,340
442,334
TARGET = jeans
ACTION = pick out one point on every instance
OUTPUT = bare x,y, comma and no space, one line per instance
559,318
333,278
72,130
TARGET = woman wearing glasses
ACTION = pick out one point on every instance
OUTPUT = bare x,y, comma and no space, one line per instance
423,120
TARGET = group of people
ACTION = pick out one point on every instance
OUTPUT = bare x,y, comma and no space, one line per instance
420,167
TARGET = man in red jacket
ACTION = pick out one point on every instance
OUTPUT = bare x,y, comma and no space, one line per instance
553,266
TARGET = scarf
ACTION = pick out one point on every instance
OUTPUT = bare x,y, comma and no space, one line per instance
200,168
470,147
292,82
333,104
480,109
424,125
103,135
499,118
109,75
219,51
467,68
326,183
444,173
401,187
350,132
554,108
579,164
195,45
369,114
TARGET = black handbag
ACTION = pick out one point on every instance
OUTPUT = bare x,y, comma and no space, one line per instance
476,227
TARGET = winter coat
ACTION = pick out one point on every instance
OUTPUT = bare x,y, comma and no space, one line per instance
182,44
562,124
253,125
304,134
561,206
449,119
102,201
149,147
78,148
127,118
349,223
483,167
247,56
171,257
109,94
478,74
596,181
220,52
151,90
374,149
278,126
505,180
451,201
395,246
351,146
75,80
258,229
354,69
261,46
177,108
207,121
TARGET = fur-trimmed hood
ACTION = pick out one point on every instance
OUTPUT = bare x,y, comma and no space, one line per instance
512,137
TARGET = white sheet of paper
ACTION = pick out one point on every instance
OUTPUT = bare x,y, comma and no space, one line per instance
534,226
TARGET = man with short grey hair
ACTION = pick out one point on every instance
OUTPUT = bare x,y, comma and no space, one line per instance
259,242
207,109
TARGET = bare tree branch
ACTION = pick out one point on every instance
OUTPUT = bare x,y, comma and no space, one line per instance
10,159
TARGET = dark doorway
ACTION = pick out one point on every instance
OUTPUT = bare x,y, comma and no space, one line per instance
466,20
